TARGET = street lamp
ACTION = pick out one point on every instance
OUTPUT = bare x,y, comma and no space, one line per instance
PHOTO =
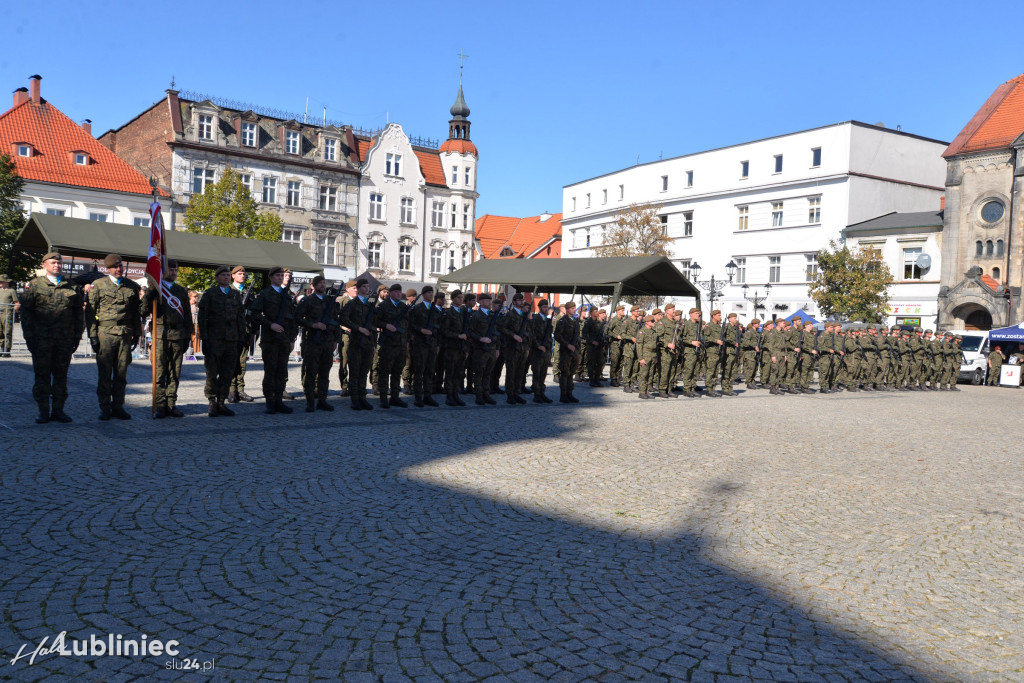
714,287
757,300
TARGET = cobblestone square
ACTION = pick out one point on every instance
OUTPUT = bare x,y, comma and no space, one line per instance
800,538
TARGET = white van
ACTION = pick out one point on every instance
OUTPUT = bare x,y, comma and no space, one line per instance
975,347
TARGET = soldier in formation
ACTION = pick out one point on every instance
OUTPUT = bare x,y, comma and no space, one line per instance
172,331
115,329
8,307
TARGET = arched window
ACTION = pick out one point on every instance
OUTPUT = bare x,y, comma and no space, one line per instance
979,248
999,247
988,247
995,274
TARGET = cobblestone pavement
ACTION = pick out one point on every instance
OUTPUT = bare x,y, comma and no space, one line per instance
849,537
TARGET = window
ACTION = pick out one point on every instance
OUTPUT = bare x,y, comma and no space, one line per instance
407,206
291,236
664,183
437,214
140,222
778,163
979,248
451,259
664,223
774,269
744,169
293,192
776,214
586,234
812,266
81,158
376,206
988,248
291,142
393,164
248,134
622,192
687,223
814,210
689,178
436,260
816,157
63,212
246,179
744,212
588,200
24,150
911,271
373,254
465,216
604,196
999,247
98,217
328,198
455,214
405,257
330,149
467,175
270,190
205,127
741,269
995,273
573,203
201,179
465,255
325,249
455,175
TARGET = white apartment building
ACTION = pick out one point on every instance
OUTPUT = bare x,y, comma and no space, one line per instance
766,206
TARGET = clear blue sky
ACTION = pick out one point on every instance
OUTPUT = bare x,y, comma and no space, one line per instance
559,91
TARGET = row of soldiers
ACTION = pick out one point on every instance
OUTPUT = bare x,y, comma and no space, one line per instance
652,353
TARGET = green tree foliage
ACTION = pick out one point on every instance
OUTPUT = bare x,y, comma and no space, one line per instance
852,284
12,220
226,209
637,231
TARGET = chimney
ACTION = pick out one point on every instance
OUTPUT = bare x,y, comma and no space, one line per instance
87,126
942,203
33,85
20,95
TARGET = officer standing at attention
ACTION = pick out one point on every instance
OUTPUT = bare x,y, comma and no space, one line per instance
115,328
647,349
274,310
237,392
317,314
393,341
51,321
8,307
172,333
357,316
221,323
568,337
424,328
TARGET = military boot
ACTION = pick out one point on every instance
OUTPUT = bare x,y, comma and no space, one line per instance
160,413
120,413
429,400
323,405
57,413
396,400
44,413
213,408
172,411
281,407
224,410
310,405
233,396
572,399
562,396
285,396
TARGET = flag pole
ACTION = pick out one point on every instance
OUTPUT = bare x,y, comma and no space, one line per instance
152,352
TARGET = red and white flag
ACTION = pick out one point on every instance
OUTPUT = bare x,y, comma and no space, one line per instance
156,264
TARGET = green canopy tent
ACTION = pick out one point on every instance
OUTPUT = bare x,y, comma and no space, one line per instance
615,277
77,237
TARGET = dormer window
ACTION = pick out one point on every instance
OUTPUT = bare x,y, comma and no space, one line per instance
24,150
205,129
507,251
330,149
81,159
248,134
291,142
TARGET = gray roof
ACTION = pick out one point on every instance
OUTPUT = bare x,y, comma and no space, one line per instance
895,220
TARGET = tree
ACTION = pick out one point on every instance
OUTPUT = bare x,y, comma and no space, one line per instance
12,220
637,231
852,284
226,209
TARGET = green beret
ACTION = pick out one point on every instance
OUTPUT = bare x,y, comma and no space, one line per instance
111,260
52,254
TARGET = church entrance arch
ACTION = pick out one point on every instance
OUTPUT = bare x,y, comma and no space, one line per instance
974,317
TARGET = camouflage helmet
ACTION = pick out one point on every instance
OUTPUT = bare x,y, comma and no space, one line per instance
894,328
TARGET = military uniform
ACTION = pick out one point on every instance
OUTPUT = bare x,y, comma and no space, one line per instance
691,332
483,323
592,338
275,306
8,300
221,323
423,349
515,353
454,323
237,388
172,333
541,331
749,351
730,353
666,359
630,329
713,335
52,320
318,346
567,333
391,351
358,312
614,331
647,344
115,327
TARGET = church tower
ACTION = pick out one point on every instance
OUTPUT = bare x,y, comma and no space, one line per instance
459,158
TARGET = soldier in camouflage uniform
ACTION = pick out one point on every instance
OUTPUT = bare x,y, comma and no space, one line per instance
454,336
51,322
318,316
115,328
810,357
541,331
956,362
382,295
647,345
8,307
691,339
750,349
274,311
777,344
424,328
411,299
768,368
485,336
730,353
630,360
936,362
390,319
515,344
852,358
357,316
351,292
666,327
221,323
172,333
613,332
567,334
903,358
237,392
714,343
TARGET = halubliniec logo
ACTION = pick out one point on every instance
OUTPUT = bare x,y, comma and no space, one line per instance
111,645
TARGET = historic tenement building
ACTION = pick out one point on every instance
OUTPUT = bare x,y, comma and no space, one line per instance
983,233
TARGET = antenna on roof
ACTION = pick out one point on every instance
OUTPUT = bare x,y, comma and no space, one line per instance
325,117
172,81
305,114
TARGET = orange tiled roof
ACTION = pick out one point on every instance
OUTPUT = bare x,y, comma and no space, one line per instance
997,124
522,235
54,137
459,147
430,162
990,281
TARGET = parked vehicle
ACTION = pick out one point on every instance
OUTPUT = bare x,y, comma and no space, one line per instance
975,347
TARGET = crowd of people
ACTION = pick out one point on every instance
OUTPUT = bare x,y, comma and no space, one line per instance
417,344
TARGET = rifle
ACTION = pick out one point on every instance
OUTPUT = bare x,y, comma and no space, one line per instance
490,328
401,315
326,318
547,336
702,353
522,327
432,326
372,303
466,315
